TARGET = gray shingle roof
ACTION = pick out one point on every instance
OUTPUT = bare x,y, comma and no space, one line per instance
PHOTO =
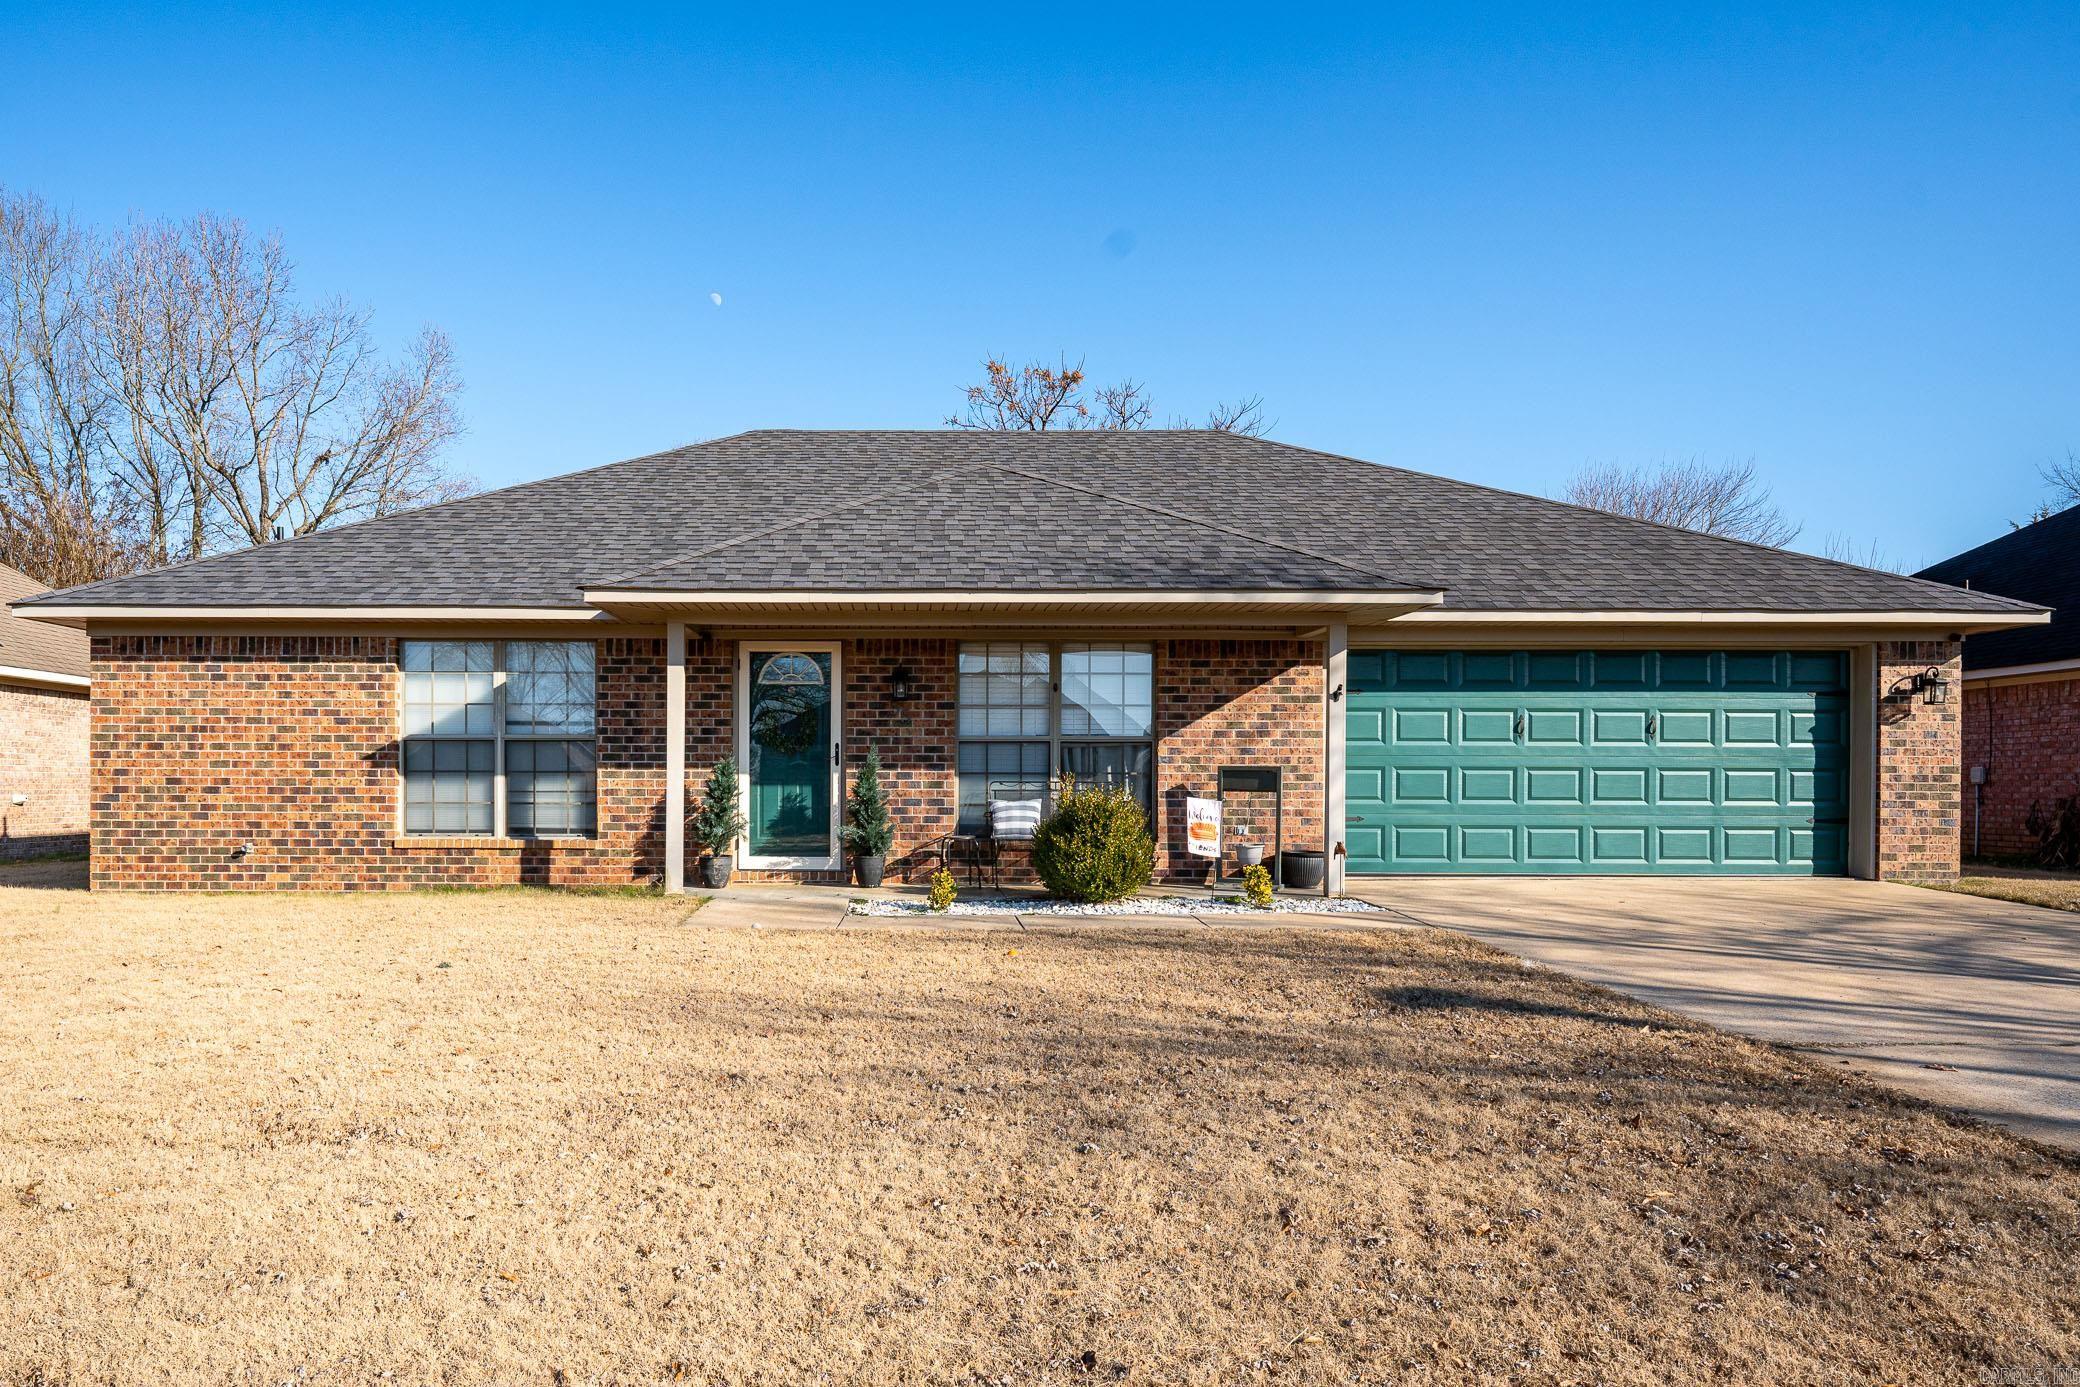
885,509
2038,563
36,645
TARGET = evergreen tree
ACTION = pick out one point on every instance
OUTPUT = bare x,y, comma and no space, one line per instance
867,829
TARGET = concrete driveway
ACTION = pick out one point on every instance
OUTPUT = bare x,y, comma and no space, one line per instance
1967,1002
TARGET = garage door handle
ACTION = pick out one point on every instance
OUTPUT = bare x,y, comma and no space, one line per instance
1653,726
1517,728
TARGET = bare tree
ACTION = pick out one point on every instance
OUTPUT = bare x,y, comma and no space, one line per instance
164,393
1245,416
2062,481
1036,397
1843,549
62,519
1725,499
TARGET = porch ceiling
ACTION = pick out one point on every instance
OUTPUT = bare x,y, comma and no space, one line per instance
1270,610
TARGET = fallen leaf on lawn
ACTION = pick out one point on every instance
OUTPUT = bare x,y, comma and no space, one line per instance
506,1276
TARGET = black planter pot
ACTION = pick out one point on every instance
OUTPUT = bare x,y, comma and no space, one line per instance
717,870
870,869
1303,870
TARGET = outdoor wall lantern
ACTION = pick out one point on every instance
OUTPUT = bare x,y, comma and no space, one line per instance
1932,686
899,687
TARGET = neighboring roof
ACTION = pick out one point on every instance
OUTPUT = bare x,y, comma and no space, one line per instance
1099,511
2037,563
35,645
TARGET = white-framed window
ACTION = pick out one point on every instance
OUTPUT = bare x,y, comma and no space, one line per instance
499,738
1030,711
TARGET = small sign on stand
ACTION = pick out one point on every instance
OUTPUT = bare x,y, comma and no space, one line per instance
1202,827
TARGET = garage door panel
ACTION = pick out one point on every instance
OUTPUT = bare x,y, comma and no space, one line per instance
1487,785
1488,727
1489,845
1422,784
1597,761
1685,727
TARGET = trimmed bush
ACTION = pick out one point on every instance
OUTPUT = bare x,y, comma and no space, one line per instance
943,891
1095,846
1256,886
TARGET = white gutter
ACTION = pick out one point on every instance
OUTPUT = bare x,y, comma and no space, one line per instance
65,614
2011,671
965,598
1692,617
16,674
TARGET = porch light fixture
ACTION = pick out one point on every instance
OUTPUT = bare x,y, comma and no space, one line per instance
899,686
1932,686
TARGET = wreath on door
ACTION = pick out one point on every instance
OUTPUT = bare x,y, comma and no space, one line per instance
785,723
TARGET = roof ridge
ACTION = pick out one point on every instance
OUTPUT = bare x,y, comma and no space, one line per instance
858,503
1196,519
1658,525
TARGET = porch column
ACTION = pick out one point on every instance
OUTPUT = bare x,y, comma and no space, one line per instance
675,756
1336,653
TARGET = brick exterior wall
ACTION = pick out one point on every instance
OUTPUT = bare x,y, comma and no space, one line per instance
250,762
246,762
43,759
1919,751
1236,702
2027,735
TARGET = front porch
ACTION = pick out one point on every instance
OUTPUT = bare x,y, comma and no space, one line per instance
962,718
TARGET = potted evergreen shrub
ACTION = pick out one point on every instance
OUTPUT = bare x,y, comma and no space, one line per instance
867,829
718,823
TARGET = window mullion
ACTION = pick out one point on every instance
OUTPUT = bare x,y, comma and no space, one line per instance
498,736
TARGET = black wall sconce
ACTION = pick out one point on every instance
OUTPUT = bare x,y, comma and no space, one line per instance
900,687
1929,683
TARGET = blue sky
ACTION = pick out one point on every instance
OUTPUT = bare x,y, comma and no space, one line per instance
1495,246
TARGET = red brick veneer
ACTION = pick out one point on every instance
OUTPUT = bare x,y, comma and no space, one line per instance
1237,702
43,758
1918,764
2027,735
245,762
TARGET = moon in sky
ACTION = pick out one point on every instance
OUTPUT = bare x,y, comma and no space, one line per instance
715,298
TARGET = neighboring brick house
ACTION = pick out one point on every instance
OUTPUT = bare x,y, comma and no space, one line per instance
533,684
2021,739
43,730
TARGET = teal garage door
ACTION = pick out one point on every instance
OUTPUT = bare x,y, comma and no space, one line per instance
1547,761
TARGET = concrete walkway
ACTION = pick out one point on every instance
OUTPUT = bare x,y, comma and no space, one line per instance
1965,1001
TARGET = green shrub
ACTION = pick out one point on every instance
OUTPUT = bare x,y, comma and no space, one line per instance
717,821
868,831
1095,846
1256,886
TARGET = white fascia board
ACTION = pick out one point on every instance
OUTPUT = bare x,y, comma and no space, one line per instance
1655,617
73,614
948,598
2012,671
43,678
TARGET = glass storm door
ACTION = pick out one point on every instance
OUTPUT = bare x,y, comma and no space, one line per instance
789,733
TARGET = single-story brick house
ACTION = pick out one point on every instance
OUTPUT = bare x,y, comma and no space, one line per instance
2021,736
43,729
530,685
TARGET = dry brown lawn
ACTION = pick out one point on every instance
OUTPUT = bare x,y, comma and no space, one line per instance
2052,890
524,1138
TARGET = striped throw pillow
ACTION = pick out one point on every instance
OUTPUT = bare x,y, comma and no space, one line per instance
1014,820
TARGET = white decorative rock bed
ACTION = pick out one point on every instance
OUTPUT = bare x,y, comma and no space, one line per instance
1180,906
